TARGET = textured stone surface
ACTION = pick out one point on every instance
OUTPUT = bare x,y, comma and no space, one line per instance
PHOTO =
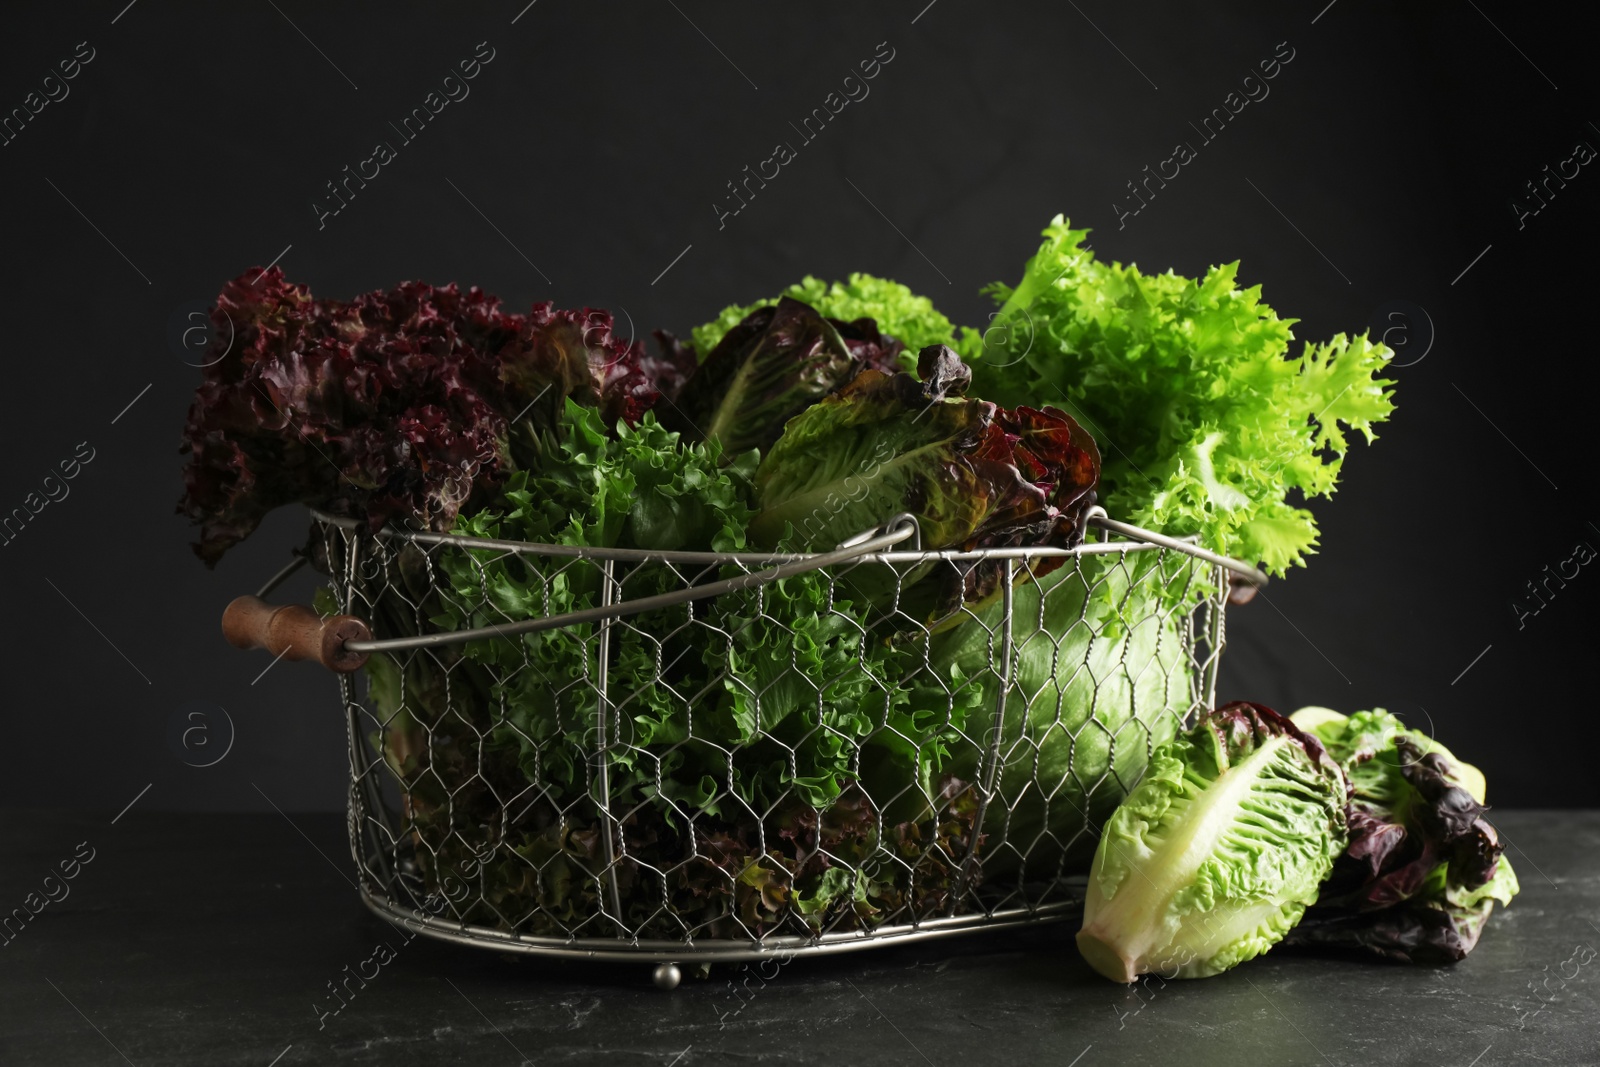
211,940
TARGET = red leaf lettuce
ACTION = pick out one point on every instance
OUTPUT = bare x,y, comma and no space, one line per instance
396,405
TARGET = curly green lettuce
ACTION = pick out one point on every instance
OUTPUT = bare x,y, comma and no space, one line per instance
778,673
731,737
1208,425
898,312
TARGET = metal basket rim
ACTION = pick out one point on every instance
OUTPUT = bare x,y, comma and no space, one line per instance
875,545
1138,540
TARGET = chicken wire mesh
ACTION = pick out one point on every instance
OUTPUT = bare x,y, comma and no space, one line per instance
903,744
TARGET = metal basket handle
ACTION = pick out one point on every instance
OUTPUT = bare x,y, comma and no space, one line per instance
342,643
1244,581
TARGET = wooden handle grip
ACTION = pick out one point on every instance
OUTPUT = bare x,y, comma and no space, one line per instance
294,631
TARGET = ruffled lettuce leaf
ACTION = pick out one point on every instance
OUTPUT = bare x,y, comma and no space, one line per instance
1216,854
396,405
781,671
1207,423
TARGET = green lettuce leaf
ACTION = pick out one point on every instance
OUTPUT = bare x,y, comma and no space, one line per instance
1207,424
779,673
877,448
1216,854
972,473
773,365
1098,679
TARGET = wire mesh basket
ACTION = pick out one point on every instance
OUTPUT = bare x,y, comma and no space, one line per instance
697,757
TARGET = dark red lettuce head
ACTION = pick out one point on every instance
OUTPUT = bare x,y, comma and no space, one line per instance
671,367
1414,883
392,407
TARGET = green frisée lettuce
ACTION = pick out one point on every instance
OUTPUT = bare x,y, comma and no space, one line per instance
1206,422
779,671
1215,855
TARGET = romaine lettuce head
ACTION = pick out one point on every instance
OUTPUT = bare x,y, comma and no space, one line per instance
973,474
1215,855
771,366
1424,867
898,312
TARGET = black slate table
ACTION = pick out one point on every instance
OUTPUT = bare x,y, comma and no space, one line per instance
212,939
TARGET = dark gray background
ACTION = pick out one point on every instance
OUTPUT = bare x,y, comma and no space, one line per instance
597,141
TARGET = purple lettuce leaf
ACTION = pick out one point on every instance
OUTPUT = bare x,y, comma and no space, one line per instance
1424,867
392,407
1423,930
672,366
773,365
972,473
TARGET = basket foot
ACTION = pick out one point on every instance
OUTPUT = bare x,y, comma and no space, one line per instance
667,976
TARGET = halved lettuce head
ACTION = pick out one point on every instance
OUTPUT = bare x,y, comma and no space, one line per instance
1215,855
